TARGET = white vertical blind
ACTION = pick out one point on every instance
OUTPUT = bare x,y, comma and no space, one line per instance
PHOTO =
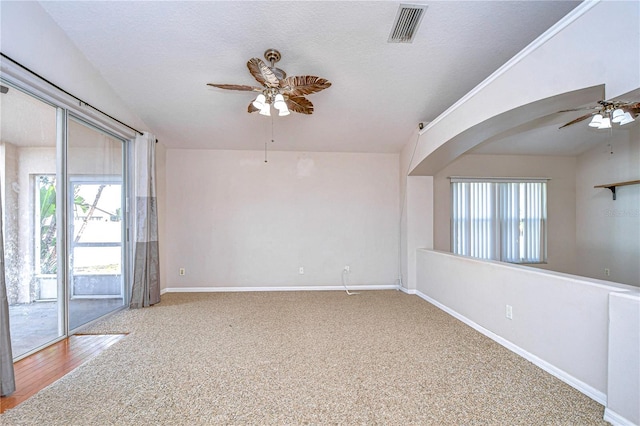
499,220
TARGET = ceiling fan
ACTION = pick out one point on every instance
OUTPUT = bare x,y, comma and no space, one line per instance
607,112
284,93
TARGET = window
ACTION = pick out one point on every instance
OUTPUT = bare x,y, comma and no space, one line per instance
46,260
499,219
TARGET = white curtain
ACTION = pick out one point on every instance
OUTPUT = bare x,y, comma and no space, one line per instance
145,290
7,378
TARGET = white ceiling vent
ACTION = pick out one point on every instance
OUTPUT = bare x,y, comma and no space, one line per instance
406,23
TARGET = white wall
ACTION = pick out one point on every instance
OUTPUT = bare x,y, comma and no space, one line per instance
623,397
235,221
560,322
561,204
416,229
608,231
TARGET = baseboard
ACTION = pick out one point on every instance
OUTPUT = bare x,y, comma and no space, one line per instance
616,419
292,288
589,391
407,290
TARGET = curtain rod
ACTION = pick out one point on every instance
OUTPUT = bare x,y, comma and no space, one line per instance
82,103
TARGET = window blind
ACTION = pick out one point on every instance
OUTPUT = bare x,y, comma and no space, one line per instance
500,220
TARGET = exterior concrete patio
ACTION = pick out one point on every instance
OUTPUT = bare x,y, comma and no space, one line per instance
36,324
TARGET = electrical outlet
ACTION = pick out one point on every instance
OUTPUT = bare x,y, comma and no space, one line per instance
301,270
181,271
607,271
509,312
347,268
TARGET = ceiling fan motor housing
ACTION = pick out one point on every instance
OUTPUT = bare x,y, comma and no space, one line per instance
272,55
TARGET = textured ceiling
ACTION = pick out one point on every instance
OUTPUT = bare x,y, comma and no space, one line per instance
158,57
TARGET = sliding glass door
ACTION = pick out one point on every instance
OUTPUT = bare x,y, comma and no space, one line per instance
63,190
30,176
96,223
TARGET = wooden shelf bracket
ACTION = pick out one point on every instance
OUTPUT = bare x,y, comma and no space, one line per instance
612,186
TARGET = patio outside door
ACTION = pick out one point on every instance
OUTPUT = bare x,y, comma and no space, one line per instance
62,187
30,183
96,223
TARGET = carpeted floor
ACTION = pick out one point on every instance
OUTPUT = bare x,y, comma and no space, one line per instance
380,357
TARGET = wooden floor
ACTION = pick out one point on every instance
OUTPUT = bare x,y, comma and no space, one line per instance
39,370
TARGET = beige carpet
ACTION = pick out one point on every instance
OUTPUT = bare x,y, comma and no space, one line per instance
302,358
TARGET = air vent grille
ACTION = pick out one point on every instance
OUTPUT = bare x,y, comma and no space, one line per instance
406,23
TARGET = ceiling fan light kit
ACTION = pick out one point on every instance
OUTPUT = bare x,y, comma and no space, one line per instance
608,112
284,93
612,112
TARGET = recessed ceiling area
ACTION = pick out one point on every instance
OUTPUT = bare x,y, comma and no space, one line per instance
543,136
159,56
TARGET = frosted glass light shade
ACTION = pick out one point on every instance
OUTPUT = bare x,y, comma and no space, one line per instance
596,120
259,101
617,116
265,110
626,118
279,103
284,111
605,124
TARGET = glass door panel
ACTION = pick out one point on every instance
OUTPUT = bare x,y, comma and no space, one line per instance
31,220
95,194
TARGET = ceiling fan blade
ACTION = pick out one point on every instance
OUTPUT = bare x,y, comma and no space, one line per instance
302,85
240,87
300,104
261,72
580,109
251,108
579,119
634,107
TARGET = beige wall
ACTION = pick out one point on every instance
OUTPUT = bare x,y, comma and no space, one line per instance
233,220
608,231
561,204
161,195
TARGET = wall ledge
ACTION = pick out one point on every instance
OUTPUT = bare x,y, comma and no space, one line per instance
609,285
579,385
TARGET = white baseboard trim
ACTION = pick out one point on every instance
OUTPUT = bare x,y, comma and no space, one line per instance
291,288
586,389
616,419
407,290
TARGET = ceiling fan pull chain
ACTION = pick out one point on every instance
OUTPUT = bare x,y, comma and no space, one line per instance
265,151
